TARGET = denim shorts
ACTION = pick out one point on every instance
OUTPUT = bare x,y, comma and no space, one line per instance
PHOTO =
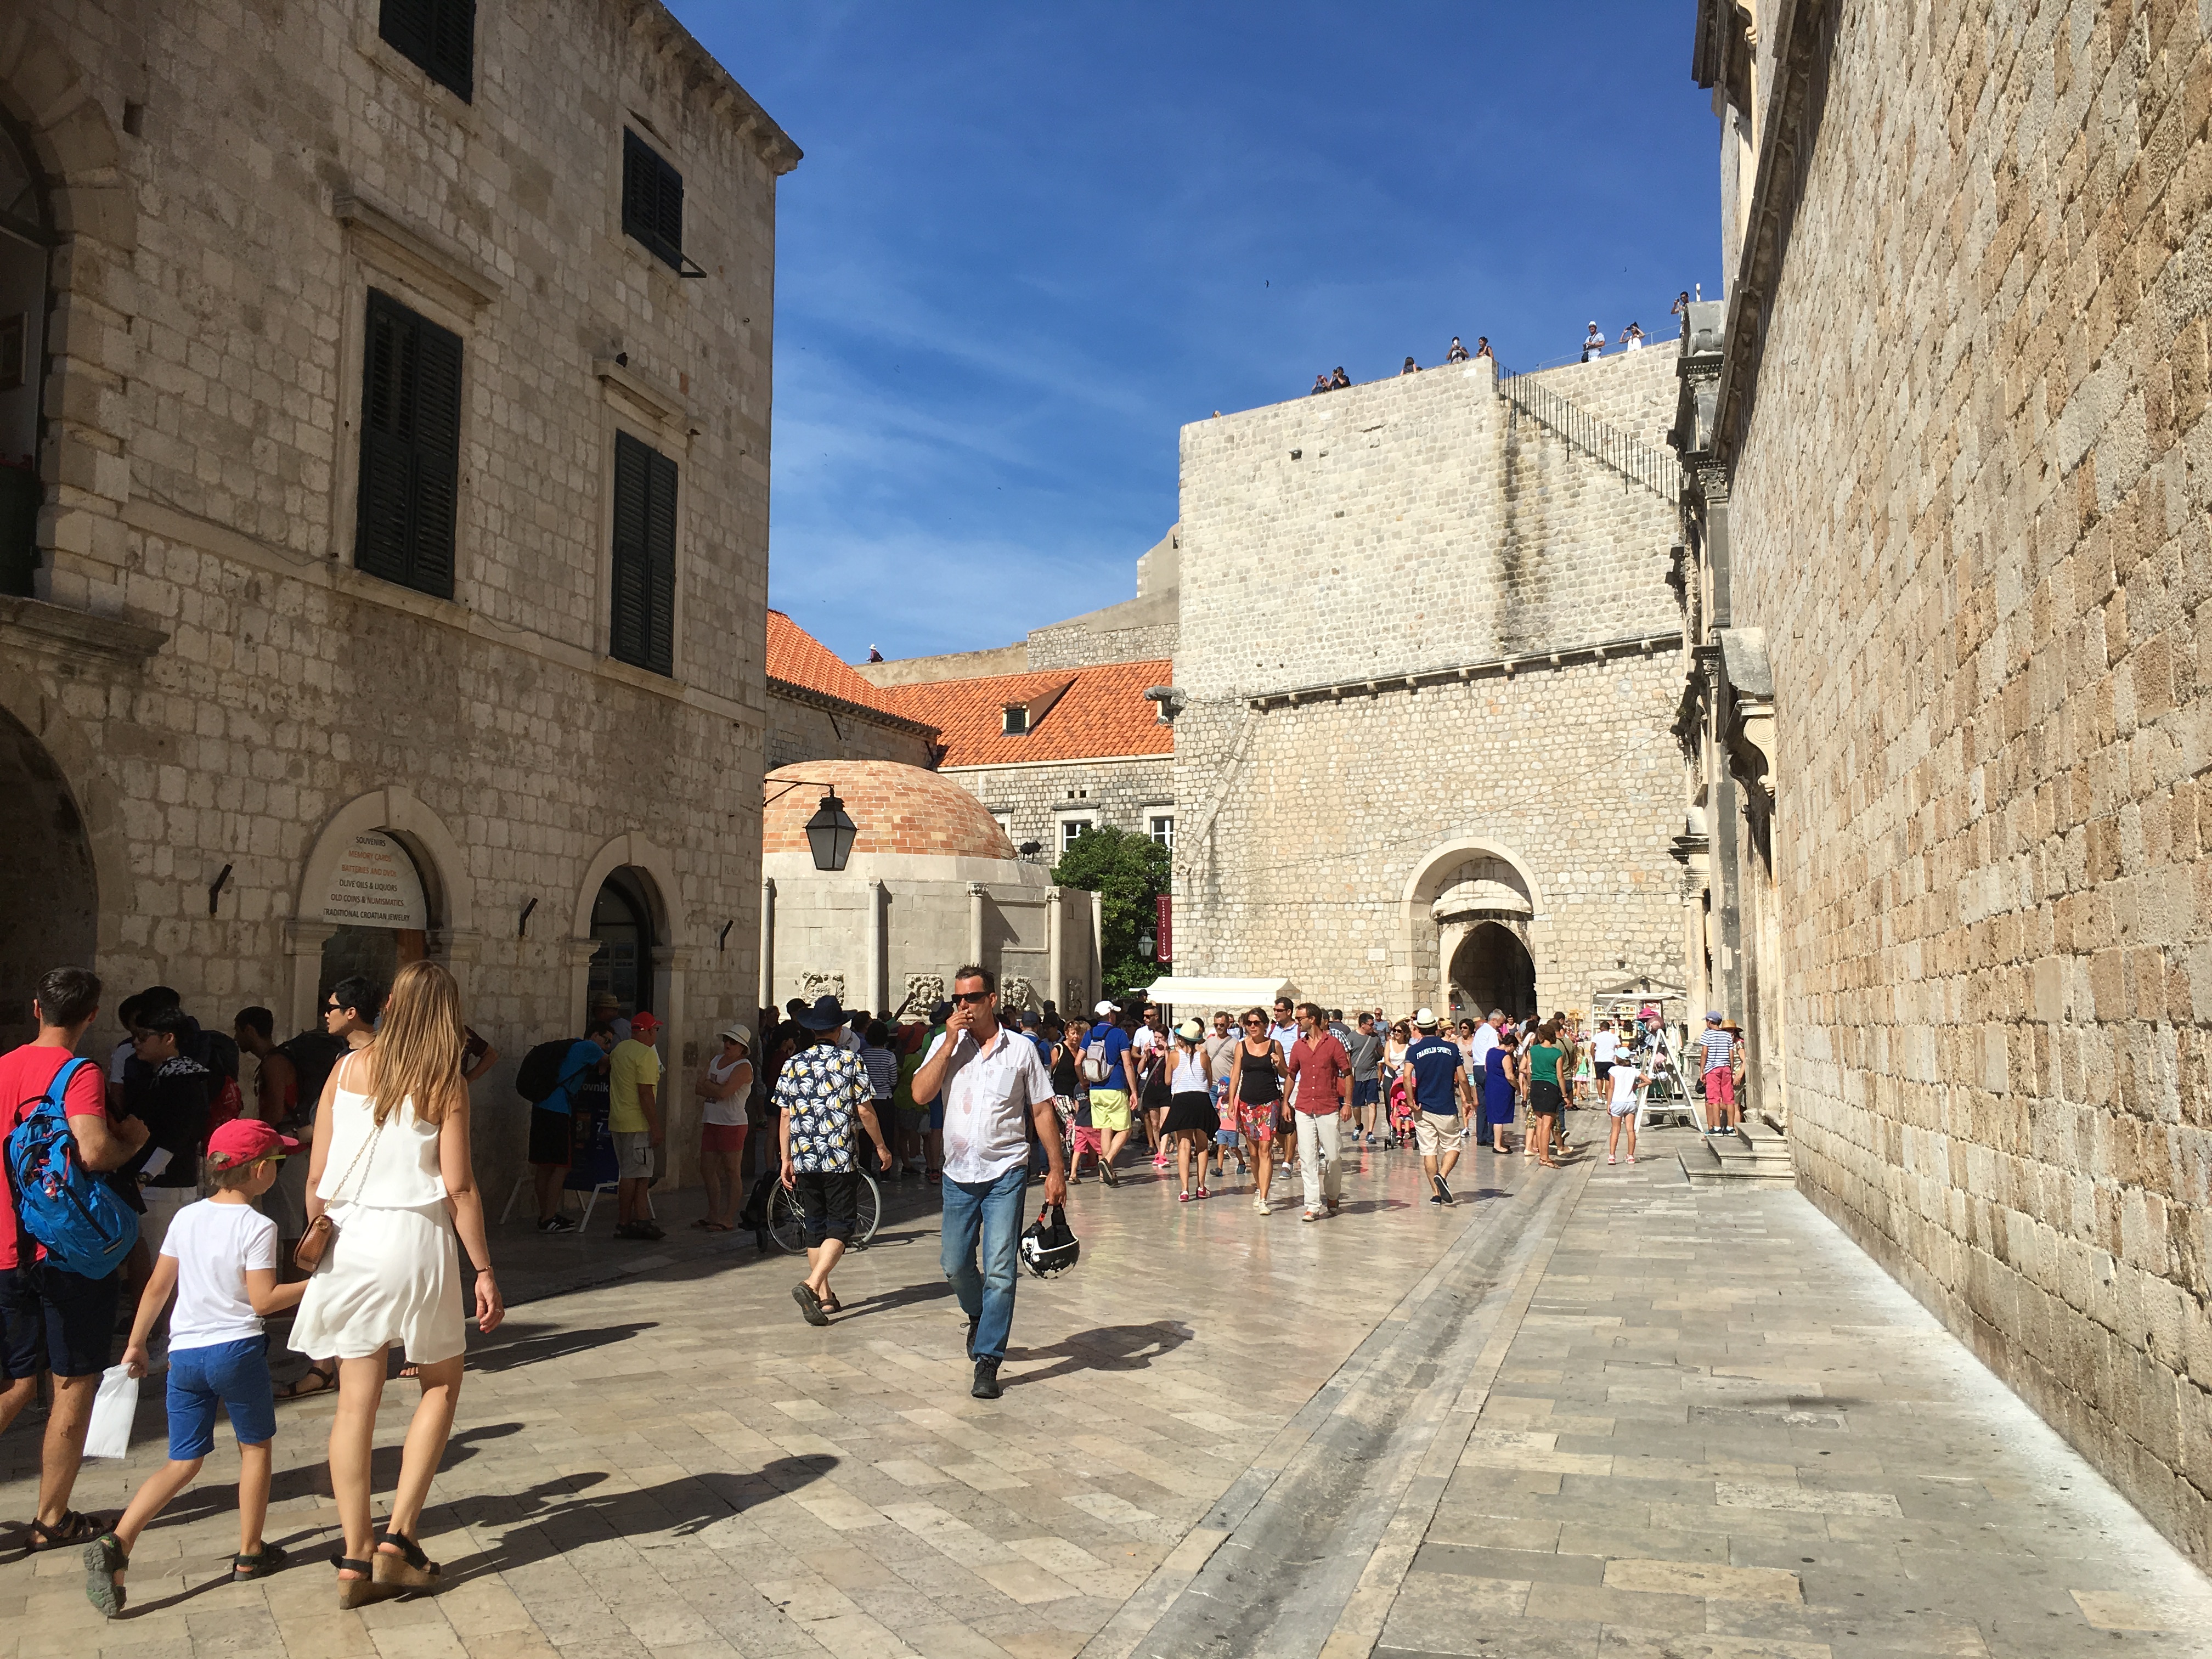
235,1373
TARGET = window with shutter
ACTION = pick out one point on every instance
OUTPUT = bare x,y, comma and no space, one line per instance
653,200
438,37
641,623
411,448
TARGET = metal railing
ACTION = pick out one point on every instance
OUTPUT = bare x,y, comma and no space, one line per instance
1656,470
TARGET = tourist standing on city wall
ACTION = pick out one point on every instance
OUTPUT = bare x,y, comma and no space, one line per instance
1321,1072
392,1175
1256,1082
1191,1120
996,1089
1438,1072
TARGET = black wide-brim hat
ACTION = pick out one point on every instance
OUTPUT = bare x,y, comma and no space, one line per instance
826,1015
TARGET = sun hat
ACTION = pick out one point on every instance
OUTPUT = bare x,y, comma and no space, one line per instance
1190,1030
246,1140
738,1031
826,1015
1424,1019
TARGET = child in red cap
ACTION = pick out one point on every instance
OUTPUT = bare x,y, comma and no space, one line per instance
219,1258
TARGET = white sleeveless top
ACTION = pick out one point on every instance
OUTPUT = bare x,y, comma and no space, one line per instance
400,1172
1189,1078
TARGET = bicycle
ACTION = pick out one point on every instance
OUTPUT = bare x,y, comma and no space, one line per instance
789,1229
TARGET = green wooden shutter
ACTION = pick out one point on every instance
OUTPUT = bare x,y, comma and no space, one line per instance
660,564
411,448
627,620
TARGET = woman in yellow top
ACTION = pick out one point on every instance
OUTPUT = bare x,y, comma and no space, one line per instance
1540,1077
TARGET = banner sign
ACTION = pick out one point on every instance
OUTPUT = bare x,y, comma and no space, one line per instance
1165,949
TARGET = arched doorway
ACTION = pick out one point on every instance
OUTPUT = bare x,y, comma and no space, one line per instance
621,926
377,907
1492,968
53,917
26,233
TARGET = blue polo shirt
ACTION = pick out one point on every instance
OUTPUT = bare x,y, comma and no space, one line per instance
577,1067
1117,1044
1435,1063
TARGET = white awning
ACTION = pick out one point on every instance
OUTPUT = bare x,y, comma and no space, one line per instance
1235,994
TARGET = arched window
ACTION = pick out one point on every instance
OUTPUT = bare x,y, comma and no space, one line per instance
622,923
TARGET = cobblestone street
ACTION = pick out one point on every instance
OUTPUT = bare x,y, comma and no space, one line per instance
1600,1413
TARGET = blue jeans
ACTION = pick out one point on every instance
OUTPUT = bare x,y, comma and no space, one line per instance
984,1217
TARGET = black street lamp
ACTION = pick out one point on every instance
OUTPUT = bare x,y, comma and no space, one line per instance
830,832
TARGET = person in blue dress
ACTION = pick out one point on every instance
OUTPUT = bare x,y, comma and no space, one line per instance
1497,1093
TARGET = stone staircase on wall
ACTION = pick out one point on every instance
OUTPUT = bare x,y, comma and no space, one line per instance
1758,1154
1657,470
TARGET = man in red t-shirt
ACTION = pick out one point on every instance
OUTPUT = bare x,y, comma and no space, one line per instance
1321,1100
55,1319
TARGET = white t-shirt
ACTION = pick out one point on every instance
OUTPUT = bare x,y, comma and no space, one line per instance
1624,1090
1145,1039
1607,1048
1486,1039
730,1108
213,1244
988,1099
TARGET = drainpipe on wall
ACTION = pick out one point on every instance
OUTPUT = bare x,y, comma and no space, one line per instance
767,943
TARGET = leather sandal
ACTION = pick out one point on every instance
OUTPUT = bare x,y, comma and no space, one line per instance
410,1568
269,1558
71,1528
358,1592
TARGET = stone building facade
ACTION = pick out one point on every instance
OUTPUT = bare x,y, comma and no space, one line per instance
400,560
1426,674
1949,449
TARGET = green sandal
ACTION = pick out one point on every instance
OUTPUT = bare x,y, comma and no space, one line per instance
103,1559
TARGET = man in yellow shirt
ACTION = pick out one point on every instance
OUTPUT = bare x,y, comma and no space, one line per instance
634,1120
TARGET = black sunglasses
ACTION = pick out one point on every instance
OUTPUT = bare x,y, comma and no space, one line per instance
970,996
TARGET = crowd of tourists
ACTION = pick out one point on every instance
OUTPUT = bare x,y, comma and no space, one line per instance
162,1196
1456,353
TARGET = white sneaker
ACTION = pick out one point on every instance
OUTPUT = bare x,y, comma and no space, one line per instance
1260,1205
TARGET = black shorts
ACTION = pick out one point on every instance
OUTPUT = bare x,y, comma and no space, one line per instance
56,1321
828,1202
1603,1068
552,1137
1546,1098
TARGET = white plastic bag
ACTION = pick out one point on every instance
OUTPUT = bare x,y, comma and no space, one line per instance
114,1409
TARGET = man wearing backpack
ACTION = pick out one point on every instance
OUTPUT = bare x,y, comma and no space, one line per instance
55,1319
573,1065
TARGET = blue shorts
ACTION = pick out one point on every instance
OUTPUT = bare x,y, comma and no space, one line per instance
235,1373
1367,1093
1227,1138
937,1114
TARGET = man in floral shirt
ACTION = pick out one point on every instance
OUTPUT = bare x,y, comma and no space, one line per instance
821,1092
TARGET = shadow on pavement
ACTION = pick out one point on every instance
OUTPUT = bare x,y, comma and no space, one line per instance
1108,1348
312,1480
905,1296
537,1343
554,1518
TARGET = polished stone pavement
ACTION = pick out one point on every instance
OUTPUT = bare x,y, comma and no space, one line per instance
1593,1413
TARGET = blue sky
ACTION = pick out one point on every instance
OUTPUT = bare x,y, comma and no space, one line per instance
1029,242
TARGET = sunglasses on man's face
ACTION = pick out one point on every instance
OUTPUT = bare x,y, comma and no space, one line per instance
970,996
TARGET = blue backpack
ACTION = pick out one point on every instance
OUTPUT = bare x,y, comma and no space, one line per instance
83,1222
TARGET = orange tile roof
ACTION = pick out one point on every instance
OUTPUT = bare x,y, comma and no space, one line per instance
1100,712
797,657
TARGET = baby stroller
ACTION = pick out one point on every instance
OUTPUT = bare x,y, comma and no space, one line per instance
1401,1113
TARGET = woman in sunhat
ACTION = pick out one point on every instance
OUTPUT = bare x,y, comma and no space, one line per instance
1191,1120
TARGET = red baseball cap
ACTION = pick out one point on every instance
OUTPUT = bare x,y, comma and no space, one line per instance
644,1022
246,1140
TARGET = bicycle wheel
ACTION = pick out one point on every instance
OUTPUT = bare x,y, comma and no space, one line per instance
870,1212
785,1225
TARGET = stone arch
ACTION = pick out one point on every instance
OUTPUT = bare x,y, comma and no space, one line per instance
449,893
97,804
1498,885
662,888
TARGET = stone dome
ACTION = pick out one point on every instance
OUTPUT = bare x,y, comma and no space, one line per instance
897,809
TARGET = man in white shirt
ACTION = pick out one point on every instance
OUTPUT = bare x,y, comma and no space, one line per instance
994,1087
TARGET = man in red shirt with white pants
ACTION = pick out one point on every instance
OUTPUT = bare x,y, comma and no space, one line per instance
1321,1100
55,1319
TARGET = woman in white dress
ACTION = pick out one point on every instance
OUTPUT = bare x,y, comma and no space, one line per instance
391,1168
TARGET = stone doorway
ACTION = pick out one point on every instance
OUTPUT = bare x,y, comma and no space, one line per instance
1492,968
622,927
53,917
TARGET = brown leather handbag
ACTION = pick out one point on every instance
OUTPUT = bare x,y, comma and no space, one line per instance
323,1232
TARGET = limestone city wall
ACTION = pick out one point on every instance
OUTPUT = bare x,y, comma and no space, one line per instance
1970,516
